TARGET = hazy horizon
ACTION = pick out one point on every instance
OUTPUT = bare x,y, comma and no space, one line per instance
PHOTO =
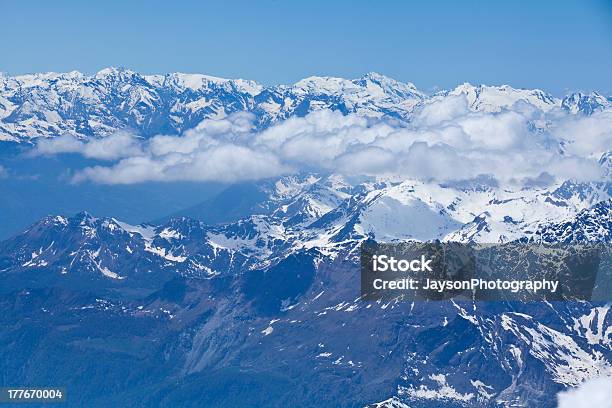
555,46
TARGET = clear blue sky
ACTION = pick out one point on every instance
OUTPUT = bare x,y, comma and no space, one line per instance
555,45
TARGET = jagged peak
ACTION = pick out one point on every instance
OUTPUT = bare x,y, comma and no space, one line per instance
376,76
383,79
43,79
115,73
321,81
200,81
376,84
492,98
586,103
469,87
98,101
391,84
581,94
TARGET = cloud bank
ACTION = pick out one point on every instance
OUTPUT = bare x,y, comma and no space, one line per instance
593,393
445,141
113,147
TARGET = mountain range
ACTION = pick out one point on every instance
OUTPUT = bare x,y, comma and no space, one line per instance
248,312
252,297
51,104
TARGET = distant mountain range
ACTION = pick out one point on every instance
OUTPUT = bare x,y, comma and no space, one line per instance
50,104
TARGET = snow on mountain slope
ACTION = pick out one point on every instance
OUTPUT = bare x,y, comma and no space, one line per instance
301,203
104,247
396,214
278,292
372,95
53,104
197,82
592,224
585,103
425,211
368,95
495,98
328,214
568,363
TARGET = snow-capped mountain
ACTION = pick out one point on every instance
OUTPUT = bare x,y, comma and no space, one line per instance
53,104
45,105
265,297
589,225
586,103
372,95
495,98
275,295
72,103
326,214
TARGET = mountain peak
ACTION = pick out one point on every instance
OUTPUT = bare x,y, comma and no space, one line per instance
494,98
579,102
116,98
375,76
83,216
392,85
380,78
201,81
119,73
370,85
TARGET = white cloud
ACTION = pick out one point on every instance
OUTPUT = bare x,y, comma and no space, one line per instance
226,162
588,136
113,147
442,110
593,393
216,150
445,141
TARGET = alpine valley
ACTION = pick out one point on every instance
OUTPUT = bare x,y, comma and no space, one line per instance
252,297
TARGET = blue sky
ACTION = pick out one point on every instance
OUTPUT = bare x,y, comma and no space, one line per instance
554,45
